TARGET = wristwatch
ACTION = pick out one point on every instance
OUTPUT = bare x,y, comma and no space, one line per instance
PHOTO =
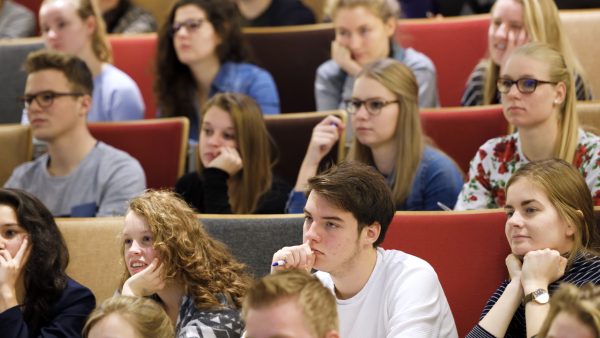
540,296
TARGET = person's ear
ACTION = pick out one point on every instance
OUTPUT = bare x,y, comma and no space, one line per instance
86,104
390,27
560,93
332,334
372,232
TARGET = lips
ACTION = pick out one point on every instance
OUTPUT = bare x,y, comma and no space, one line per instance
136,266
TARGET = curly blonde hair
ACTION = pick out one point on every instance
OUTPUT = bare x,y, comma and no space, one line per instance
204,266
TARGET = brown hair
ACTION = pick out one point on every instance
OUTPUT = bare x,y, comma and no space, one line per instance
359,189
581,302
315,300
86,9
399,80
147,318
542,21
254,144
383,9
202,264
569,194
75,70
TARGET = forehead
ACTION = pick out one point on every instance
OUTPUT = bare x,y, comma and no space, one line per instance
522,190
366,87
58,7
217,116
135,223
47,79
319,206
189,12
519,65
281,319
348,17
7,215
509,10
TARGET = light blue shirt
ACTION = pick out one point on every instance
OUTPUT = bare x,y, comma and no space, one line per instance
116,97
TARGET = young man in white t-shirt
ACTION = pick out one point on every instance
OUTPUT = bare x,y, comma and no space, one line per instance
379,293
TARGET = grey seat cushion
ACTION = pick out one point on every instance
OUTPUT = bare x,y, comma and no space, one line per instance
12,78
253,241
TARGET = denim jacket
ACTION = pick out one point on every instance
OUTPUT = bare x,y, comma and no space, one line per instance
437,179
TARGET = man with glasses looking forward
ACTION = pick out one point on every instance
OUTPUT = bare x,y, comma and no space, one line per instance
78,176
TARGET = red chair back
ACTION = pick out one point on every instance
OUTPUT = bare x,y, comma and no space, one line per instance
455,45
466,249
135,55
460,131
160,145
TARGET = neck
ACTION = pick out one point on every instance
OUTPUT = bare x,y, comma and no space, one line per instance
90,59
205,71
381,156
171,296
251,9
539,142
67,151
353,277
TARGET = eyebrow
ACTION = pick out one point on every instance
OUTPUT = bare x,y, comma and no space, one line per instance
524,203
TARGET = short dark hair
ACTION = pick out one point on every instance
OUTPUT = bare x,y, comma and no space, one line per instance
75,70
359,189
44,272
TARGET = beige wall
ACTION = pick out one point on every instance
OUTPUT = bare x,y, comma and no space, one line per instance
160,8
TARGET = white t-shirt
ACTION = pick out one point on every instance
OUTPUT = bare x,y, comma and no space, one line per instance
402,298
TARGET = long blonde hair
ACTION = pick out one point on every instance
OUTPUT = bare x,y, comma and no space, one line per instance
399,80
254,144
202,264
86,9
542,22
559,71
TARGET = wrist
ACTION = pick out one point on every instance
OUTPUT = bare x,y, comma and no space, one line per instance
8,298
529,287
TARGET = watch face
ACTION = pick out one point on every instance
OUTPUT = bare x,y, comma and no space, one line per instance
542,296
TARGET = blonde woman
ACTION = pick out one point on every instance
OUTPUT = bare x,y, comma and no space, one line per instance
169,256
538,98
387,135
514,23
364,32
234,175
132,317
552,234
75,27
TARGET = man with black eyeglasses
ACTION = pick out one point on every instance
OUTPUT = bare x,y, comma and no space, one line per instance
78,176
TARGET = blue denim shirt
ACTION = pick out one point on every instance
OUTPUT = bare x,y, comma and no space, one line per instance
246,79
437,179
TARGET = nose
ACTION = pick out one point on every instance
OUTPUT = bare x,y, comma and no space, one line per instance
516,220
135,248
311,233
354,41
361,113
500,32
513,91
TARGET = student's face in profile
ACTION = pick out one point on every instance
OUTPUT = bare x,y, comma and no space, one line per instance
565,325
11,233
507,17
333,235
378,130
217,132
196,40
284,319
63,29
138,243
113,326
529,110
63,115
363,33
533,223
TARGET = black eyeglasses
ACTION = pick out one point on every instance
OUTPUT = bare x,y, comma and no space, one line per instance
524,85
373,106
44,99
191,25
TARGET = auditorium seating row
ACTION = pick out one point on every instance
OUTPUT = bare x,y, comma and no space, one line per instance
454,44
466,249
161,144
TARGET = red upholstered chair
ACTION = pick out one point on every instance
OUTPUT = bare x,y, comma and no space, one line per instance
292,55
466,249
460,131
135,54
455,45
291,134
160,145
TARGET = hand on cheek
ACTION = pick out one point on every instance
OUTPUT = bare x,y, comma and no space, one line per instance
10,270
343,57
146,282
540,268
228,160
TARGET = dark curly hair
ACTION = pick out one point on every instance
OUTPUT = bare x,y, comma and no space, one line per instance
44,273
174,80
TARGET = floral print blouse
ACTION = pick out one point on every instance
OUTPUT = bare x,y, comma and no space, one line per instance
498,158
